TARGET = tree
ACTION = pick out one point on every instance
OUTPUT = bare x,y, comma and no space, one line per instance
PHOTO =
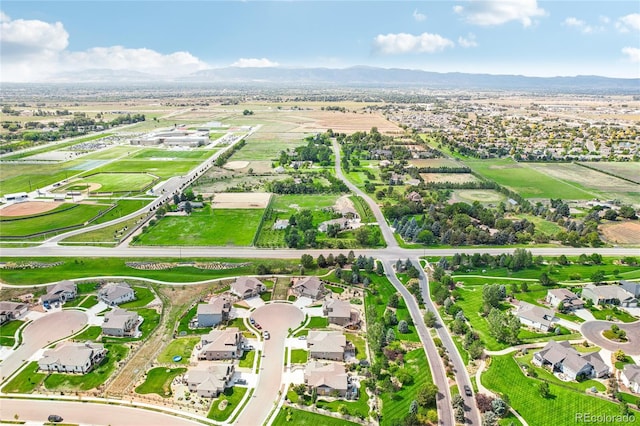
403,327
500,407
430,319
393,300
427,395
187,207
597,277
459,413
620,355
322,262
483,402
391,335
300,389
413,408
545,280
524,287
457,401
491,295
351,257
490,419
379,268
543,389
306,260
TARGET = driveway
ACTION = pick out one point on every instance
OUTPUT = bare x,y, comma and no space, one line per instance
585,314
41,333
592,331
276,318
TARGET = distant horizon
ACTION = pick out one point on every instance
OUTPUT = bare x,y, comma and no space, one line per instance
531,38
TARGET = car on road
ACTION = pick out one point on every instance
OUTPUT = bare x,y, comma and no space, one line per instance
258,326
467,390
252,321
54,418
266,335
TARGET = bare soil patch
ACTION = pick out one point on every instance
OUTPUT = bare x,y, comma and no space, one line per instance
236,165
448,177
28,208
347,122
621,233
241,200
435,162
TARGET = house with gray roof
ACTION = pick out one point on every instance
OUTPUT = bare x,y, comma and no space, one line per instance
338,311
209,382
535,316
331,345
70,357
570,301
12,310
120,323
222,344
609,295
311,287
631,287
245,287
560,357
630,377
328,379
116,293
342,222
213,313
60,292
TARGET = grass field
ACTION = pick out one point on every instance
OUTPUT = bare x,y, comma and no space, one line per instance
112,182
258,149
627,170
159,380
167,154
144,296
233,395
76,216
359,343
9,329
163,169
16,177
247,359
57,146
358,408
208,227
182,346
25,381
528,181
542,225
90,333
291,416
111,153
561,408
311,202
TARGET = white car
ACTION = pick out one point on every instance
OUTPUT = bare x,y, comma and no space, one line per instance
266,335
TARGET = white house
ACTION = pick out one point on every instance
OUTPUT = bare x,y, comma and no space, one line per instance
631,377
535,316
116,293
119,323
214,312
69,357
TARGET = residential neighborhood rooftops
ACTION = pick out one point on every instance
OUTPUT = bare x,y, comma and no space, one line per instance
326,341
332,375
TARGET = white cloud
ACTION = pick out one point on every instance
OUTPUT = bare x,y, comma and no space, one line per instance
633,53
604,19
254,63
468,41
391,44
578,24
419,16
628,23
33,50
497,12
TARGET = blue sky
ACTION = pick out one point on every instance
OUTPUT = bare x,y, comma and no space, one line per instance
529,37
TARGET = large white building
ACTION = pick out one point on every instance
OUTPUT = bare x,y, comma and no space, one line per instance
174,137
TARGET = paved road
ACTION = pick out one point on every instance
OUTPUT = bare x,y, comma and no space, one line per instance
445,412
87,413
41,333
461,374
592,331
384,228
277,318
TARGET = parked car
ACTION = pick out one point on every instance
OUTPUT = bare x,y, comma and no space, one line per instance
266,335
258,326
54,418
303,337
252,321
467,390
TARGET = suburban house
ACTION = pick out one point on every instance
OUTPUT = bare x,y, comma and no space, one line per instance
347,212
414,197
631,287
70,357
116,293
327,345
245,287
214,312
631,377
609,295
182,205
535,316
569,300
211,382
338,311
120,323
61,292
342,222
12,310
309,287
222,344
562,358
328,379
280,224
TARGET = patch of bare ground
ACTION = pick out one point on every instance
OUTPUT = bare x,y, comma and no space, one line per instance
28,208
621,233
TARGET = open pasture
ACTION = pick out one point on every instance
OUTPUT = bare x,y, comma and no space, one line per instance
480,195
240,200
528,181
206,227
621,232
448,177
260,147
627,170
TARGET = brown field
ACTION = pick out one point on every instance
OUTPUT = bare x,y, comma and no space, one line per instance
621,233
236,165
28,208
625,170
448,177
241,200
436,162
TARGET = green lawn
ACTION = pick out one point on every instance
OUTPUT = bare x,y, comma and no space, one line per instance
505,377
26,381
359,343
90,333
602,313
299,356
163,169
311,202
18,177
209,227
71,217
335,289
123,208
183,324
233,395
542,225
151,153
89,302
246,360
358,408
159,380
97,376
527,181
294,417
151,321
182,346
318,322
144,296
112,182
9,329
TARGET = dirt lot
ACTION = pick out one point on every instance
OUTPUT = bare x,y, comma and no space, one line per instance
448,177
28,208
241,200
435,162
621,233
347,122
236,165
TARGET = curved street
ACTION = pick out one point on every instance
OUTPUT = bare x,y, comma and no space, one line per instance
277,319
592,331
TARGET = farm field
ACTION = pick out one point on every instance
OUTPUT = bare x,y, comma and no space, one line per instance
606,186
110,182
75,216
621,232
448,177
528,181
295,202
209,227
258,149
484,196
627,170
435,162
